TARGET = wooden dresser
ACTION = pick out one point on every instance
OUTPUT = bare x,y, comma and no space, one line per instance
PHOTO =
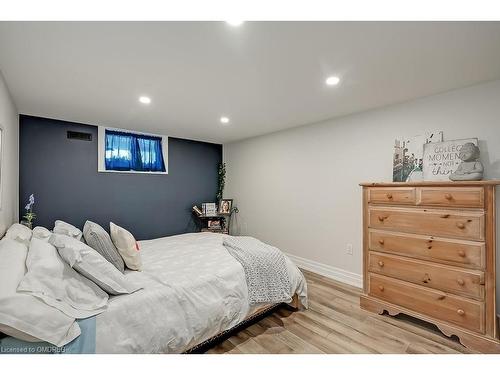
429,252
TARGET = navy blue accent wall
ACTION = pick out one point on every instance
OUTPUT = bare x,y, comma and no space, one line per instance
62,173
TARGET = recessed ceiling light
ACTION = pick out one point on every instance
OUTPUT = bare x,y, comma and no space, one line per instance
224,120
332,81
235,23
144,99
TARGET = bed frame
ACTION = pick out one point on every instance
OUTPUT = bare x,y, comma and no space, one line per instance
251,319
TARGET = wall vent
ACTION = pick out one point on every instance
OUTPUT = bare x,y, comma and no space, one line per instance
79,136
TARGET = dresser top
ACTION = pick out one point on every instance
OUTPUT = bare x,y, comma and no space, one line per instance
432,183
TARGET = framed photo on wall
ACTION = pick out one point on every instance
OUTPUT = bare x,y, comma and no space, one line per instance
225,206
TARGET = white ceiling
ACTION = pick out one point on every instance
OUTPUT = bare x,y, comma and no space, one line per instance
265,76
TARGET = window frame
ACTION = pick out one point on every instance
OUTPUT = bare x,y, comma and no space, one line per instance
101,145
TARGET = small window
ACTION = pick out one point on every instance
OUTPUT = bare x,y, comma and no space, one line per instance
121,151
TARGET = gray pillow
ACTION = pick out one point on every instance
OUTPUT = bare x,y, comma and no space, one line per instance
98,239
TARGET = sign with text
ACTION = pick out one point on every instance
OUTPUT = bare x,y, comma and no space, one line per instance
443,158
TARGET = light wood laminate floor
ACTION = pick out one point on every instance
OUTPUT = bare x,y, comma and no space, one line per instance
334,323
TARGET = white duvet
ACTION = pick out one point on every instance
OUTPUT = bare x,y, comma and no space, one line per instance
193,289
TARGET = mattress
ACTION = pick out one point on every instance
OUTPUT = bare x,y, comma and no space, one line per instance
192,290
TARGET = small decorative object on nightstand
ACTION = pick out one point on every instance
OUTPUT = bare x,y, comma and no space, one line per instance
225,206
30,215
209,209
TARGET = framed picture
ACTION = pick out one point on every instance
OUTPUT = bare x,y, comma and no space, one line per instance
407,163
225,206
209,209
443,158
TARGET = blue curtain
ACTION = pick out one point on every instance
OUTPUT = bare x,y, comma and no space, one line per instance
133,152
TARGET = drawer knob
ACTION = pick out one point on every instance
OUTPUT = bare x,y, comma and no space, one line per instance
380,263
448,196
461,253
460,312
381,241
445,216
381,288
460,225
389,196
381,218
460,281
426,278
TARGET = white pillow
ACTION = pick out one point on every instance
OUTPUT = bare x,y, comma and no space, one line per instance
22,316
50,279
92,265
127,246
61,227
41,233
12,265
19,233
27,318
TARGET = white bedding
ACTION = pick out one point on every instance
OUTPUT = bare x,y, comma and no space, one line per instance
193,289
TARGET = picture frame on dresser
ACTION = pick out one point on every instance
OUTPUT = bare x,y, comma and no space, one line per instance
442,159
408,155
429,251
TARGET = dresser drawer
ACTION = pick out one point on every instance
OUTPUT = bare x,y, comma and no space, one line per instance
451,197
449,251
463,312
460,224
392,195
467,283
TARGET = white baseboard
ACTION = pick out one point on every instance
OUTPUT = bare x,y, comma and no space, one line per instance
334,273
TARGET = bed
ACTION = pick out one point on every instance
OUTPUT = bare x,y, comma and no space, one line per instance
192,291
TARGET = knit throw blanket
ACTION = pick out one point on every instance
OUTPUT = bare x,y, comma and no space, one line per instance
265,269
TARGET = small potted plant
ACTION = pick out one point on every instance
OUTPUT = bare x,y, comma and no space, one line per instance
30,215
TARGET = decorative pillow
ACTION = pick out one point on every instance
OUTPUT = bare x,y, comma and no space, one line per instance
127,246
41,233
98,239
92,265
50,279
19,233
23,316
61,227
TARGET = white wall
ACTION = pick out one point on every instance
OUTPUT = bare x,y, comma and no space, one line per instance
9,122
298,189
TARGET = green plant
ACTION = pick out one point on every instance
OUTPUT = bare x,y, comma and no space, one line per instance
221,180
